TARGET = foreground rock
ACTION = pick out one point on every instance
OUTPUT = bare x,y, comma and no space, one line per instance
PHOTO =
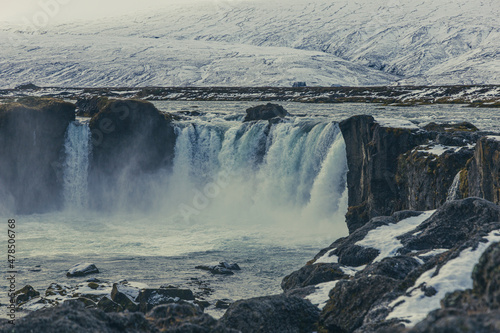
394,270
277,313
82,269
472,310
265,112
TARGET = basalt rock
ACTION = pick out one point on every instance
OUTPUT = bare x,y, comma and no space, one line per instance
481,177
372,155
278,313
265,112
129,138
32,136
389,169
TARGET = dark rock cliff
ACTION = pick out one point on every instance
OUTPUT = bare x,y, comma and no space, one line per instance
129,137
32,136
372,158
481,177
393,169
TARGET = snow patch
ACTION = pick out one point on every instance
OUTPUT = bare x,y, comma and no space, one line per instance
396,123
328,258
384,238
320,296
454,275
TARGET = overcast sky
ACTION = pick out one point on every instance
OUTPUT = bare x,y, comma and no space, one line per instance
66,10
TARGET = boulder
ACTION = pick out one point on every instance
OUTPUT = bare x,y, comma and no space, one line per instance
312,274
82,269
278,313
265,112
149,298
25,294
223,268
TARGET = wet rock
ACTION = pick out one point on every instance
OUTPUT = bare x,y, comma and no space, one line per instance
223,268
449,128
222,304
265,112
396,268
129,138
108,305
372,155
25,294
481,177
183,317
312,275
278,313
56,289
74,317
82,269
122,295
149,298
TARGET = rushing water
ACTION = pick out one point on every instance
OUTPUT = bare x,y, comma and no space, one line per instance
267,198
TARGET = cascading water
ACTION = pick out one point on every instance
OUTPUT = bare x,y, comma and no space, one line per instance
455,186
288,174
76,165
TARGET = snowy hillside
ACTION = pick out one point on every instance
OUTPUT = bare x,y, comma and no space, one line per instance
260,43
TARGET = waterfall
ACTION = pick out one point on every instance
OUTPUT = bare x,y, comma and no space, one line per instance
290,172
76,165
455,186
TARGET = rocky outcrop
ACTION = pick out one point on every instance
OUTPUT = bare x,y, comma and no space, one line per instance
372,155
395,260
424,179
472,310
481,177
277,313
265,112
32,136
395,168
129,138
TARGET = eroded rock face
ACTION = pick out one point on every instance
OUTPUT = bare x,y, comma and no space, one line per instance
32,136
372,155
394,169
481,178
279,313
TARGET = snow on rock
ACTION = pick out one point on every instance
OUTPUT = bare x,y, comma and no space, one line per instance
82,269
385,238
454,275
328,258
320,296
395,123
494,137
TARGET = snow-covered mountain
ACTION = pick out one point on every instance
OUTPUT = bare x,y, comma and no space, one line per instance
261,43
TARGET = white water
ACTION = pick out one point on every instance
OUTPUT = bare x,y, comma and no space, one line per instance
455,186
76,166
